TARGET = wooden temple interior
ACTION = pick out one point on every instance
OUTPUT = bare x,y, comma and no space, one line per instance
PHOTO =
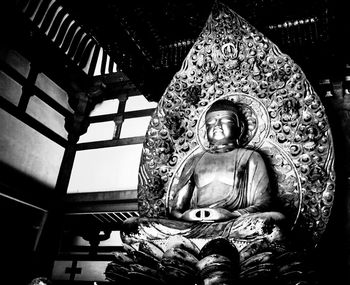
79,81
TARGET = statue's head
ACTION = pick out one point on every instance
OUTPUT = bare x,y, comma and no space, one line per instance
224,123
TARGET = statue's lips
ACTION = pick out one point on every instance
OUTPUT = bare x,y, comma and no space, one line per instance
217,131
218,134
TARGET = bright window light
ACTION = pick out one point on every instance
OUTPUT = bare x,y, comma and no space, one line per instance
139,102
53,90
48,116
16,60
105,107
98,132
134,127
106,169
10,89
28,151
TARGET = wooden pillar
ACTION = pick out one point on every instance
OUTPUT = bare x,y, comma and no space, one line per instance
83,103
120,118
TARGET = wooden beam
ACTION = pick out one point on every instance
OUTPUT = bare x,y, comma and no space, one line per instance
33,123
123,195
103,207
81,253
126,115
110,143
51,102
101,202
118,85
15,184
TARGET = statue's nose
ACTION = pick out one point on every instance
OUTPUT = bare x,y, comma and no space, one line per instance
217,124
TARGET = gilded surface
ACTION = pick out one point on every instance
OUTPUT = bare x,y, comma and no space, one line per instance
286,121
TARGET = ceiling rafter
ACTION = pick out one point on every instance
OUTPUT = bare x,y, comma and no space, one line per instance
70,37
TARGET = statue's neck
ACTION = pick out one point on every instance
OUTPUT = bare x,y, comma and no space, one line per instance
222,147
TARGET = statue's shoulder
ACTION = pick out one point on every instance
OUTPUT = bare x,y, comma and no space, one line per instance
248,153
192,159
188,168
245,151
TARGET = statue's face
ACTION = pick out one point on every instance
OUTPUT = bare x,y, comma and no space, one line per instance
221,127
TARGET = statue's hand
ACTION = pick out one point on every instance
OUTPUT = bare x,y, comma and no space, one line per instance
208,215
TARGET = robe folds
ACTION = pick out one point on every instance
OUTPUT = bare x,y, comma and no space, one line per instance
250,190
249,195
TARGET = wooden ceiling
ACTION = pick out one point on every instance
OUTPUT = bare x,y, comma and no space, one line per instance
149,39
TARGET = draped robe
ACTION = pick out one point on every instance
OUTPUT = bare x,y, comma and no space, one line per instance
249,194
247,189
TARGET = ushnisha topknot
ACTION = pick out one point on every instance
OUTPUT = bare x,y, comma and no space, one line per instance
223,104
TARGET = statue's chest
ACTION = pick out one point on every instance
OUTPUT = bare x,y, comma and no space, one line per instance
213,168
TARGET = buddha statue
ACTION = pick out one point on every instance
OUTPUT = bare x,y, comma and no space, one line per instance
239,148
223,191
226,182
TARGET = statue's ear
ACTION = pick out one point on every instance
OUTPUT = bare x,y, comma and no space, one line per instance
242,128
